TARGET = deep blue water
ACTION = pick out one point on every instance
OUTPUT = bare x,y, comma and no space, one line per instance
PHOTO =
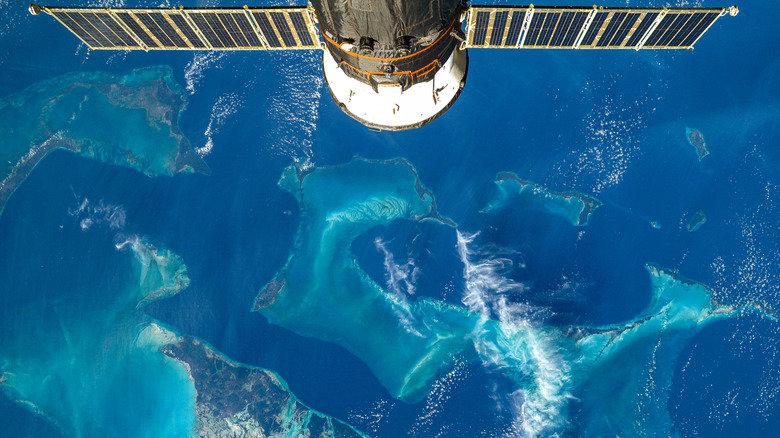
608,124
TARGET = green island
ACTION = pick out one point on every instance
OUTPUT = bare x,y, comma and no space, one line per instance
698,219
697,141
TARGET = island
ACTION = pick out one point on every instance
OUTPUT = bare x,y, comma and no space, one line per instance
131,121
696,140
322,292
95,364
410,342
645,349
241,401
575,207
698,219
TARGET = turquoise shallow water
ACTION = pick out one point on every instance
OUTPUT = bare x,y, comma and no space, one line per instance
323,293
55,353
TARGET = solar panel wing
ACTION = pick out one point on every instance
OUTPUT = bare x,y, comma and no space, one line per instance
191,28
596,28
293,27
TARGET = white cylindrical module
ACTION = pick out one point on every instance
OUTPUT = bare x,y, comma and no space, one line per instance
389,107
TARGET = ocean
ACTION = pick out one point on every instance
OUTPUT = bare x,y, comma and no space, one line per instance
524,322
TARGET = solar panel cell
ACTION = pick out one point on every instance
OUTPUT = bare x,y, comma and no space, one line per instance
232,30
97,23
595,27
76,29
84,23
513,34
301,29
137,29
610,27
641,29
625,27
480,30
246,29
166,28
499,25
266,29
705,23
691,24
284,29
206,30
188,32
574,29
126,39
534,28
666,23
564,29
219,29
677,26
549,28
158,33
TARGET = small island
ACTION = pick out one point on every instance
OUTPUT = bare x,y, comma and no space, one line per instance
698,219
696,140
655,224
576,207
129,121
